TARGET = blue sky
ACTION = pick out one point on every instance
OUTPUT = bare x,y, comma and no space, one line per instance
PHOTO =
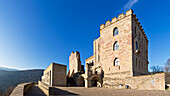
34,33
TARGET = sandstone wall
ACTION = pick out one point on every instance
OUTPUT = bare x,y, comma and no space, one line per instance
115,79
140,56
74,62
47,75
147,82
55,75
59,75
124,38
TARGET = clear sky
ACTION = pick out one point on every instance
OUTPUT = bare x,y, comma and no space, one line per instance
34,33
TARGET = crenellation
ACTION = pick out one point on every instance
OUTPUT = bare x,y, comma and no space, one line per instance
114,19
134,15
137,19
138,22
107,23
121,16
140,26
129,12
102,26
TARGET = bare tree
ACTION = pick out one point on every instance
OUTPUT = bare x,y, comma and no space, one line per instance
167,66
156,69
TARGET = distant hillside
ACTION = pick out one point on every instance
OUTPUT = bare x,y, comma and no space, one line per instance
8,69
13,78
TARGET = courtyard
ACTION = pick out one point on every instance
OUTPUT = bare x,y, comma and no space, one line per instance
95,91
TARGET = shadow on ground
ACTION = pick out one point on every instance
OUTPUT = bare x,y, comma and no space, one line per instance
35,91
57,91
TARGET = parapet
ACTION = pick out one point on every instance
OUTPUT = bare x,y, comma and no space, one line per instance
129,12
121,16
140,26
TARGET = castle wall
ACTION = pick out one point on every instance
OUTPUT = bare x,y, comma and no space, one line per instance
124,53
115,75
147,82
140,58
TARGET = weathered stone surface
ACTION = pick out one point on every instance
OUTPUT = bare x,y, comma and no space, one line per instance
74,62
55,75
147,82
133,57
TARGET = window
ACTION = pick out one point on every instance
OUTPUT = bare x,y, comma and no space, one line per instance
116,46
98,58
115,31
116,62
136,45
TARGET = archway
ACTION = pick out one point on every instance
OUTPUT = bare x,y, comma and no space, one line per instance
95,81
80,81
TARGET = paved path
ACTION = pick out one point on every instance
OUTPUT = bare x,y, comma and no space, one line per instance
35,91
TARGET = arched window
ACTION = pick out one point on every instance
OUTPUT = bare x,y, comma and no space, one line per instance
115,31
116,46
136,45
116,62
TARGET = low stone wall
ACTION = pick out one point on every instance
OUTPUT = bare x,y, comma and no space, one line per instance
147,82
44,87
21,89
48,90
113,80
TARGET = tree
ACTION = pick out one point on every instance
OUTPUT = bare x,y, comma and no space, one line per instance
156,69
167,66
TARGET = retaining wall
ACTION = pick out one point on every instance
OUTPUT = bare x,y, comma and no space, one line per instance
21,89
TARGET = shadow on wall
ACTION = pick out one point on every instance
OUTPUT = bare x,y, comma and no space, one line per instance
57,91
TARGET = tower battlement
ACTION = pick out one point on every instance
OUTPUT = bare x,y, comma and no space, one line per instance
120,17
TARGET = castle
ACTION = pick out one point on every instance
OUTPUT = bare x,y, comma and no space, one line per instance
119,60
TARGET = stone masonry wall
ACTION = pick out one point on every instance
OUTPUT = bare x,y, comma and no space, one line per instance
59,75
124,53
74,62
55,75
140,58
147,82
46,78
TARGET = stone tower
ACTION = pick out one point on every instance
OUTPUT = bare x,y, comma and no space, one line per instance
74,62
121,50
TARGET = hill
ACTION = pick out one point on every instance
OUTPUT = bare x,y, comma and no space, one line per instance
13,78
8,69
